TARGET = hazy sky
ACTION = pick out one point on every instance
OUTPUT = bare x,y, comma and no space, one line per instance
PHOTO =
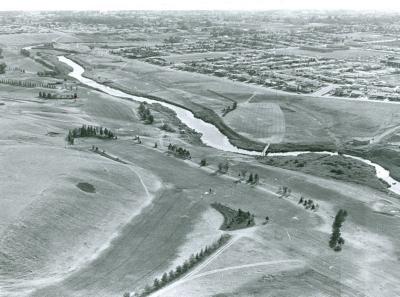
197,4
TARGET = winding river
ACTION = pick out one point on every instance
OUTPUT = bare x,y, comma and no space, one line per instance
211,136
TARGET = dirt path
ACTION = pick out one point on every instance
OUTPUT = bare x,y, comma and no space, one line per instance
245,266
197,269
193,275
387,133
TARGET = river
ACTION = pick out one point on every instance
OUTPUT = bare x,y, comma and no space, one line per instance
211,136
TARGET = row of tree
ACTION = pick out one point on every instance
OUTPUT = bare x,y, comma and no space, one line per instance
182,269
145,114
16,69
179,151
49,73
89,131
336,240
25,84
45,95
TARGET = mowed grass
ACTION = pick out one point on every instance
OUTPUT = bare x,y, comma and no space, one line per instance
263,121
332,121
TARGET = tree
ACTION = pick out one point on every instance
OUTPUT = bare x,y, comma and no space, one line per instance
171,275
336,240
142,108
185,266
203,162
250,180
223,167
256,179
147,290
164,278
3,67
178,270
149,119
192,260
156,284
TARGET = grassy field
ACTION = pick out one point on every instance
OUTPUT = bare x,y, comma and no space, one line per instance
150,211
23,39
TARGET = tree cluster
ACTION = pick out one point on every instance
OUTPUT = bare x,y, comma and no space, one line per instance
284,191
25,52
179,151
253,179
234,219
167,128
45,95
336,241
26,84
243,217
89,131
184,268
203,162
145,114
173,39
49,73
3,67
228,109
223,167
308,204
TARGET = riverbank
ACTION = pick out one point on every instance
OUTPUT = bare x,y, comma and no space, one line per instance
211,135
337,167
385,157
205,114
